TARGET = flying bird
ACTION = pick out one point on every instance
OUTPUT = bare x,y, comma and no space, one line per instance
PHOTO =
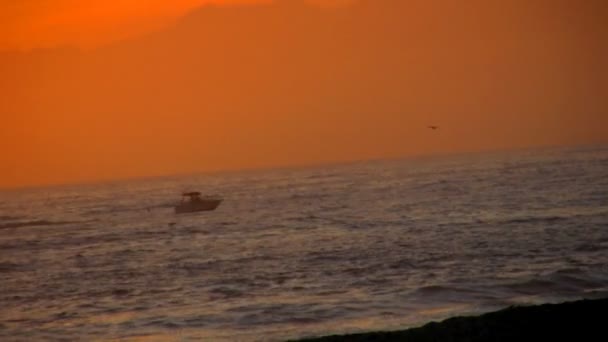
433,127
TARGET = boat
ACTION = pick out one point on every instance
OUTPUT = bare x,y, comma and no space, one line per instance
194,202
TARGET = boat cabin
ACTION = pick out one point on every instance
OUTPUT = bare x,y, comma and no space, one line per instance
194,196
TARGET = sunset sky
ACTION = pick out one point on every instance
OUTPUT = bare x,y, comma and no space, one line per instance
93,90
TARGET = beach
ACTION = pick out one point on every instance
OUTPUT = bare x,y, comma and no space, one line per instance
583,320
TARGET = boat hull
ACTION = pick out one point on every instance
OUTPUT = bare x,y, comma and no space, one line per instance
192,207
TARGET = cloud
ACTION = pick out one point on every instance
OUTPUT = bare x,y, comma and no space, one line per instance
26,24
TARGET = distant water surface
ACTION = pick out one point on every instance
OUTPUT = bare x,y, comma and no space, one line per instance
303,252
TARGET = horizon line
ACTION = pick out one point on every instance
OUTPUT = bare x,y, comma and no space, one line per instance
304,165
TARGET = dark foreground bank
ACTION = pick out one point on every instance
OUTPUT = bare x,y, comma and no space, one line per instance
585,320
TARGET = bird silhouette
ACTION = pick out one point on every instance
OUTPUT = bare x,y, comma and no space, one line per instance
433,127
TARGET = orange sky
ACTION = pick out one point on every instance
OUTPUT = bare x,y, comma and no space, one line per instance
209,88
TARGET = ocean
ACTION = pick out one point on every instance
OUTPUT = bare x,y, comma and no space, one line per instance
290,253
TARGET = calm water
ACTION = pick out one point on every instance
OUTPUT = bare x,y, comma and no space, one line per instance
301,252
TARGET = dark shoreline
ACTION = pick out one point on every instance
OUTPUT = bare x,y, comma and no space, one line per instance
584,320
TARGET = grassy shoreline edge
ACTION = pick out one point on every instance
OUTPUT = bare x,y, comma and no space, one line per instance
583,320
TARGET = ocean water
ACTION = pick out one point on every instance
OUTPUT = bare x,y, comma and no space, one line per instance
305,252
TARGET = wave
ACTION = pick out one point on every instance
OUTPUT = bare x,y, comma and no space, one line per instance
225,292
445,291
10,218
562,282
309,196
125,209
6,267
36,223
590,247
547,219
551,217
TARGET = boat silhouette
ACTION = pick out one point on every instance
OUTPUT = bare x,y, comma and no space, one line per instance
194,202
